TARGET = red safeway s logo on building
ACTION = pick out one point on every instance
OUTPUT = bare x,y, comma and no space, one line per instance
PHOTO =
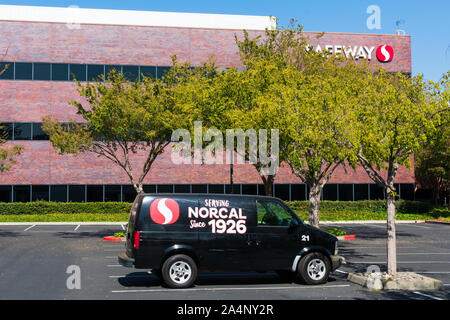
164,211
385,53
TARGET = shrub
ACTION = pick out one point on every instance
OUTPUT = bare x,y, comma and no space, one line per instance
46,207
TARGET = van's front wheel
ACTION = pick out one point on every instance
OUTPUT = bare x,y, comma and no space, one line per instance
179,271
314,268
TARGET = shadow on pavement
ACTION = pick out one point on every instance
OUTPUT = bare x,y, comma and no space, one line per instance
142,279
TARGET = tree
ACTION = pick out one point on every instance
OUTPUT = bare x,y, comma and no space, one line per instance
396,115
244,97
121,118
432,162
320,105
249,95
7,154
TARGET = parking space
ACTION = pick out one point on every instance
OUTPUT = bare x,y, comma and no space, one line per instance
35,259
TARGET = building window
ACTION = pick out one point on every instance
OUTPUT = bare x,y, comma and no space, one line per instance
361,191
329,192
38,133
164,188
58,193
77,193
149,188
346,192
147,71
298,192
23,71
22,131
60,72
376,192
94,193
110,68
40,192
182,188
236,189
282,191
5,194
8,70
41,71
251,189
21,193
6,130
161,71
199,188
95,72
216,188
77,72
112,193
131,73
261,189
407,191
128,193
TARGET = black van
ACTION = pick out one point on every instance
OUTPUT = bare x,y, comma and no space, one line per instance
174,235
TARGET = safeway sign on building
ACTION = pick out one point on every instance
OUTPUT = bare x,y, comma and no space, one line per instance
384,53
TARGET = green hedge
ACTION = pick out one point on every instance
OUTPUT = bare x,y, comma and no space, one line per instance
403,206
301,207
45,207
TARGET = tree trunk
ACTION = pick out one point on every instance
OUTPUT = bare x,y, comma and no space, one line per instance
391,245
268,185
139,188
314,205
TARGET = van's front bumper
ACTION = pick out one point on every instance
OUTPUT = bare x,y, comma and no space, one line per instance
125,260
336,262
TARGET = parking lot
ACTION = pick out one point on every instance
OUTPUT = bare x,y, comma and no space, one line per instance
34,260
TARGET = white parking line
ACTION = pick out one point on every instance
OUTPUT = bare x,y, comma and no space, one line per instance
29,227
114,265
123,228
230,289
76,228
426,295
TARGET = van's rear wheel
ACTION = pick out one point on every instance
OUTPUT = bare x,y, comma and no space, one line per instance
314,268
179,271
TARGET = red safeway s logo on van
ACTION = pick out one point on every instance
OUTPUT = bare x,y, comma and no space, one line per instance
385,53
164,211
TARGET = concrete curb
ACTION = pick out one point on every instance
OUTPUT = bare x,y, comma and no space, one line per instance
373,283
437,222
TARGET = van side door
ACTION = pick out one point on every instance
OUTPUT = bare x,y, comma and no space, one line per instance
276,240
223,242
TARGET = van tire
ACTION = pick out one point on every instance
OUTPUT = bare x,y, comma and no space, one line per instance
314,268
179,271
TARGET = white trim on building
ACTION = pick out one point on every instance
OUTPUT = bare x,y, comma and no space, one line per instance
74,15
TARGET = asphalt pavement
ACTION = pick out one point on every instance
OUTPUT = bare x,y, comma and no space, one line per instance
36,262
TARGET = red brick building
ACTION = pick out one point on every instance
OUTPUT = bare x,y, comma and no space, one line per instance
44,46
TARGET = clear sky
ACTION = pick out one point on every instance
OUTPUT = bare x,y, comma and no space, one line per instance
428,22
